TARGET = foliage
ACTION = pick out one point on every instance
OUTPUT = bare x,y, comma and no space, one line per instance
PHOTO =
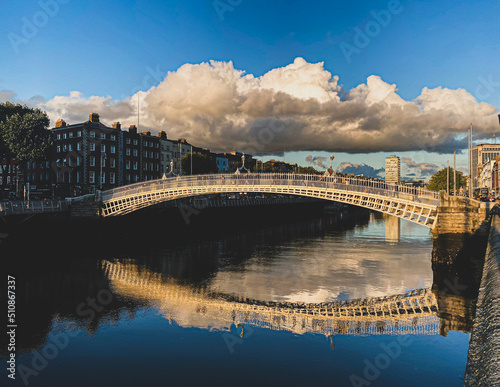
202,164
438,180
23,133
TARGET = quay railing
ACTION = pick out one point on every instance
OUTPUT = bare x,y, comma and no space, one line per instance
347,184
32,207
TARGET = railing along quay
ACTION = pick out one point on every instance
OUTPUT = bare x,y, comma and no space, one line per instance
32,207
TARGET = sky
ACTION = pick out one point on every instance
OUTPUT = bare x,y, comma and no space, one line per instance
294,80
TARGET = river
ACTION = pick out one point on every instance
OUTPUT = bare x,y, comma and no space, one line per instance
326,299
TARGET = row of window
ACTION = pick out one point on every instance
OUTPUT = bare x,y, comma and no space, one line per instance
68,178
64,136
32,165
92,161
11,168
69,147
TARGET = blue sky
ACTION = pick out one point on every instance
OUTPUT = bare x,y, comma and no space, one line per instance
114,48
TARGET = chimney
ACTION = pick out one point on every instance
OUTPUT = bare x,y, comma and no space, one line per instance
117,125
132,129
162,134
146,132
60,123
94,117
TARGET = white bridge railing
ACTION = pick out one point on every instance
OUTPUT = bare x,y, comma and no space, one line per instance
413,194
32,207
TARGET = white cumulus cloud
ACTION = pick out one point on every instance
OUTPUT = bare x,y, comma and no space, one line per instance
300,106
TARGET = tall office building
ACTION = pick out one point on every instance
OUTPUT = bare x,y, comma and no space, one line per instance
481,155
392,170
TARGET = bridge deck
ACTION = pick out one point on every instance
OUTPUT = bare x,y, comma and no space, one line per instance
414,204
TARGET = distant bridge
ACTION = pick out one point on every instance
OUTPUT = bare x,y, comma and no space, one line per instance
414,312
414,204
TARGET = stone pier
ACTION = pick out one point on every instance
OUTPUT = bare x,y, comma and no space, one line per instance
458,214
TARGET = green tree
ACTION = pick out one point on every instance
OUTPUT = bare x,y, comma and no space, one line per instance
202,164
438,180
23,134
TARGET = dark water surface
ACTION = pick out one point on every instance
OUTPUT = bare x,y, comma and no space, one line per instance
351,299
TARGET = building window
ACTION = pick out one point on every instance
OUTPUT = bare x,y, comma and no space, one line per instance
103,136
79,133
92,161
92,134
70,147
113,137
91,177
46,164
69,162
135,152
78,160
150,155
112,149
78,177
103,178
58,149
127,151
70,134
58,136
112,163
79,146
92,147
103,148
64,136
127,164
136,178
103,161
127,141
135,165
157,145
112,178
135,141
65,148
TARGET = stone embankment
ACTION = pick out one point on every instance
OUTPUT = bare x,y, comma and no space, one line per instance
458,214
483,359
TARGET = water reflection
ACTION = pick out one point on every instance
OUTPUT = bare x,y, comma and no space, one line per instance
332,275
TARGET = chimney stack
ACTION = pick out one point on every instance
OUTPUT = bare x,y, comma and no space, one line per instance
117,125
94,117
60,123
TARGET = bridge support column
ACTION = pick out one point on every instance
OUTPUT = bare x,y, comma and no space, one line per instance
458,214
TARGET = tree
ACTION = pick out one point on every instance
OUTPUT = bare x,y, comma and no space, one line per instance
23,135
438,180
202,164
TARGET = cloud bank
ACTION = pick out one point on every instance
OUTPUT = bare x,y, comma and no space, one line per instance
362,169
300,106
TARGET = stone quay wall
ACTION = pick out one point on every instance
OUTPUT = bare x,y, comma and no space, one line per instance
483,359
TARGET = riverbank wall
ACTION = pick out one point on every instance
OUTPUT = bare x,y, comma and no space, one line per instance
483,358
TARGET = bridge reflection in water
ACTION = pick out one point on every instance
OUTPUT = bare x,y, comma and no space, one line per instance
414,312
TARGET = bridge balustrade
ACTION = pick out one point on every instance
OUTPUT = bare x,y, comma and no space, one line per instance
346,184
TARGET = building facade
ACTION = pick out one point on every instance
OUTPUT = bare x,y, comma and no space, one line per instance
393,170
480,155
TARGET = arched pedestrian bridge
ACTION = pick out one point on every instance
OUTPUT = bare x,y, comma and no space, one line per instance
414,204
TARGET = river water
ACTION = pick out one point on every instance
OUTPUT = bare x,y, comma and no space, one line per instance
327,299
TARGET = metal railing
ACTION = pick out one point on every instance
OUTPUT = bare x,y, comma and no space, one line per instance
32,207
346,184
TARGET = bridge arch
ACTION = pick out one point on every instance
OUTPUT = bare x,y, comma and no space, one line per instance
414,204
